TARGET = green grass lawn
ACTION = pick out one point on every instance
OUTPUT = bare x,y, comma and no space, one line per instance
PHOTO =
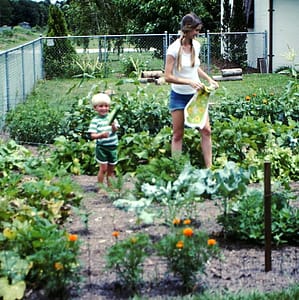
65,91
17,37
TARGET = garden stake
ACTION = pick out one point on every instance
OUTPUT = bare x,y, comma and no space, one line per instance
267,213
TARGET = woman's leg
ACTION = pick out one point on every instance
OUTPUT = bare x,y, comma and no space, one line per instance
206,144
178,132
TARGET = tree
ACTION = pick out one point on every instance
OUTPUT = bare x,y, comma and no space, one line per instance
225,28
238,41
5,12
25,11
59,54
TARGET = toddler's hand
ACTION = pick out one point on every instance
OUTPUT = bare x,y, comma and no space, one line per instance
114,127
104,135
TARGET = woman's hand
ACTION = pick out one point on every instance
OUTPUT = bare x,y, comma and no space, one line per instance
196,85
213,83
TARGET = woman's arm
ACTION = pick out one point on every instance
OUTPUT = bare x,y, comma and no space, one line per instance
170,78
202,74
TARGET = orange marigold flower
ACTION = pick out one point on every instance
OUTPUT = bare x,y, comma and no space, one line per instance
73,237
187,221
254,94
176,221
247,98
58,266
188,232
211,242
180,244
115,234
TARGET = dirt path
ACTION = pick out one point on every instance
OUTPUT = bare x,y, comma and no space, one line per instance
241,270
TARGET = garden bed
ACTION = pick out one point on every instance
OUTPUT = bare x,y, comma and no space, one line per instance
241,270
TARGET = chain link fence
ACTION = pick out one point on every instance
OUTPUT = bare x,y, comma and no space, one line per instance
114,56
20,69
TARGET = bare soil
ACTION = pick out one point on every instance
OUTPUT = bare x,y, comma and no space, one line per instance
242,269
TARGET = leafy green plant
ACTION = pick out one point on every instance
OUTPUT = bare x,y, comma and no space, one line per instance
125,258
143,110
133,66
186,252
30,122
90,67
159,171
12,156
179,196
244,218
76,157
12,275
51,252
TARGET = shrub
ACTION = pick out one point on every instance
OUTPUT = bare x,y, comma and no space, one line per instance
34,121
52,253
245,217
186,252
125,258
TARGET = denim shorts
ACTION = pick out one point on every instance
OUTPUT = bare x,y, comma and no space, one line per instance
178,101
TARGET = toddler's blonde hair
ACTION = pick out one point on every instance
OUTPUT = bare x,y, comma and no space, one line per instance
100,98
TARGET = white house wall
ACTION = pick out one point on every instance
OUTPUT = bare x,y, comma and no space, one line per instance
285,30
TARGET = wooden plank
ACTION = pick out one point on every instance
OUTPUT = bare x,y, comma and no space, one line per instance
231,72
151,74
222,78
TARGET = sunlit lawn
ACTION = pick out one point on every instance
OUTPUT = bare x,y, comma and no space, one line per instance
66,91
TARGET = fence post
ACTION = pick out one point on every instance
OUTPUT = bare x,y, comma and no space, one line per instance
23,72
208,50
105,56
165,45
267,215
7,82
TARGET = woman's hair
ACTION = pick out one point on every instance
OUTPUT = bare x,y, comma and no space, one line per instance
189,22
100,98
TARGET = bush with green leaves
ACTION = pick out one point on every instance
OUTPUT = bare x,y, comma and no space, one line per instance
75,157
179,196
126,257
250,142
187,252
34,121
49,255
140,148
132,66
244,218
35,251
262,105
143,111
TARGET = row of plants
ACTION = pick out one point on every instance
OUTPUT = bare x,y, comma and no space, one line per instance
185,250
45,256
176,191
36,250
241,143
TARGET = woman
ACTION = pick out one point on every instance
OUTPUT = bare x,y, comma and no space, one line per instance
183,71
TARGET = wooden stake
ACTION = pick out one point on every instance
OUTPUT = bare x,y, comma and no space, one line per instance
267,213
